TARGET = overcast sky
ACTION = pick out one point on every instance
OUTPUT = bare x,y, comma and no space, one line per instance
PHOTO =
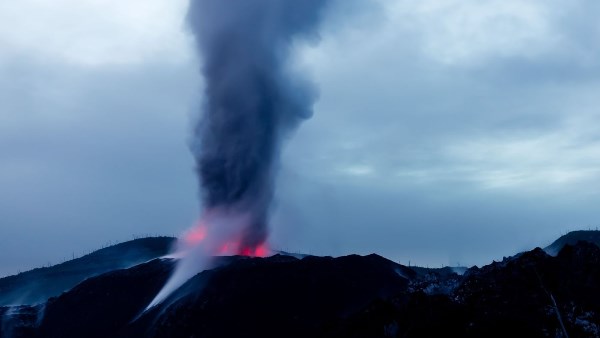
445,132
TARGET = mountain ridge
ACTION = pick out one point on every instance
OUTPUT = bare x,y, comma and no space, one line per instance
37,285
572,237
531,293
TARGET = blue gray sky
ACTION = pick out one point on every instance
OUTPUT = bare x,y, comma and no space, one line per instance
445,132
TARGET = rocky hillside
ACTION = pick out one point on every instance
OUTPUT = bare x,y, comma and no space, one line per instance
532,294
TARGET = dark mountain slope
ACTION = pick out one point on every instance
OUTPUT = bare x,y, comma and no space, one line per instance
102,306
277,297
522,296
592,236
38,285
531,294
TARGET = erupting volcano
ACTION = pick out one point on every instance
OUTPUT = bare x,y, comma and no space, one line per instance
252,101
233,245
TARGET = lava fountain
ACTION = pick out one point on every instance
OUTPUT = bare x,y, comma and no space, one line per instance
252,100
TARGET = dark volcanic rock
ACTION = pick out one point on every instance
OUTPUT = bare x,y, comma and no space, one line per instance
521,296
279,296
20,321
533,292
103,306
529,295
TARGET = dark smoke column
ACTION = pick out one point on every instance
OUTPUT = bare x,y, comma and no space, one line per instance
252,101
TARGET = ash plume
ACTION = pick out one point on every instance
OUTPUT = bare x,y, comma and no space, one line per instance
252,100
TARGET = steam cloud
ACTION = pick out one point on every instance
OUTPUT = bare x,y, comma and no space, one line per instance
252,101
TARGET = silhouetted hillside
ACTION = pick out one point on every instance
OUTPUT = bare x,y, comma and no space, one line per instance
38,285
592,236
531,294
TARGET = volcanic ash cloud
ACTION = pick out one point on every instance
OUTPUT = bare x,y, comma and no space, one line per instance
252,100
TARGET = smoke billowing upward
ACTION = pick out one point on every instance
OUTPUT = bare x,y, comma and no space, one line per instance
252,101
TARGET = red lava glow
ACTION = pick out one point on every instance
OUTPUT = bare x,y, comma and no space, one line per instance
200,233
196,234
234,248
260,251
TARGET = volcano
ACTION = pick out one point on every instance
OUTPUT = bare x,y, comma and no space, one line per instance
531,294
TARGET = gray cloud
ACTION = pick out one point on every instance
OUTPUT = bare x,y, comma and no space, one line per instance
89,156
467,140
444,132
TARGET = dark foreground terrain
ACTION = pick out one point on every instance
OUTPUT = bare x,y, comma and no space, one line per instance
531,294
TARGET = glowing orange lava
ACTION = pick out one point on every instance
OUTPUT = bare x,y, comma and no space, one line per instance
234,248
260,251
199,235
